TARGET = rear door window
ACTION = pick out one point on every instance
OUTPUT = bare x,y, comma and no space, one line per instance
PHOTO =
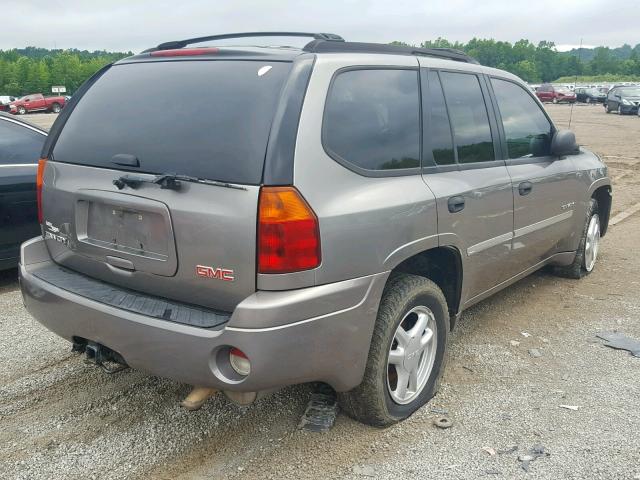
469,117
372,119
438,127
206,119
526,127
19,145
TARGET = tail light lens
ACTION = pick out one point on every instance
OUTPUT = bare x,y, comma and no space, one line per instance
288,232
42,163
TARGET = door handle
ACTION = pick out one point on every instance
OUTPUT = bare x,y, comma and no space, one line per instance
525,188
456,204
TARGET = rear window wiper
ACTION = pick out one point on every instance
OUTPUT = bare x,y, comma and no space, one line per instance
168,181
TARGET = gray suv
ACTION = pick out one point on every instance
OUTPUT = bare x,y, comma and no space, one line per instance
246,218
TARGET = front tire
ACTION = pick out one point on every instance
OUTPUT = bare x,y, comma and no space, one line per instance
555,100
587,252
406,355
55,108
22,110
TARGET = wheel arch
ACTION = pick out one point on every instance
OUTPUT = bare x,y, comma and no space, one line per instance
443,266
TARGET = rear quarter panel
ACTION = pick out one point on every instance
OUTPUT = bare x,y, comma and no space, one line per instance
592,174
367,224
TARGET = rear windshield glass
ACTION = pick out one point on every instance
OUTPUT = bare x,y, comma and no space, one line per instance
206,119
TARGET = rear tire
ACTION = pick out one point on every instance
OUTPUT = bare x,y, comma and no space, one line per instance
588,100
586,256
555,100
408,303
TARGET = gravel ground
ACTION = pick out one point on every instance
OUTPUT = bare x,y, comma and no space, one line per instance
61,418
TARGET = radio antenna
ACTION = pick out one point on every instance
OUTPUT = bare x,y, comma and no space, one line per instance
575,83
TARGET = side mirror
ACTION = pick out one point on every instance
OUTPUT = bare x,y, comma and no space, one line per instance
563,143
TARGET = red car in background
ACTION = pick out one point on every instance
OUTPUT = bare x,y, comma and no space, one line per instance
549,93
36,102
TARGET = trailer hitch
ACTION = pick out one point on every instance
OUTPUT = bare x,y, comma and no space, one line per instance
100,355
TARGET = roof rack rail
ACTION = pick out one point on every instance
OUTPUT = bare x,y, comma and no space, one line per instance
326,37
321,46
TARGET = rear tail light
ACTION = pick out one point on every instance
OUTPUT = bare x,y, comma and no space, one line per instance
288,232
184,52
42,163
239,362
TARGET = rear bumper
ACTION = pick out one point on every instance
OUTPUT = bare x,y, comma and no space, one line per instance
312,334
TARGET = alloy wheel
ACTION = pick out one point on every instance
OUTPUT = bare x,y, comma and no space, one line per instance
412,355
592,243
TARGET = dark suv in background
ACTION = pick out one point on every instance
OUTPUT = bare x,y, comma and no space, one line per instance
315,214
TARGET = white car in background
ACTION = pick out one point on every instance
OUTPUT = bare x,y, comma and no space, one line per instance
4,101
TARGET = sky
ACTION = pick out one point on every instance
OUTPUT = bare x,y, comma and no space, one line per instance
133,25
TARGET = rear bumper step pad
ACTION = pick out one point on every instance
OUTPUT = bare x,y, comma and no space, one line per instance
129,300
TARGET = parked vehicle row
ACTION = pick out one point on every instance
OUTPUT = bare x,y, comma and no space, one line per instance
330,212
623,99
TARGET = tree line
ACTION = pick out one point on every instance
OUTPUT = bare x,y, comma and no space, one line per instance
36,70
543,63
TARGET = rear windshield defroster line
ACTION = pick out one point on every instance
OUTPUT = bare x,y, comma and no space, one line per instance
205,119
